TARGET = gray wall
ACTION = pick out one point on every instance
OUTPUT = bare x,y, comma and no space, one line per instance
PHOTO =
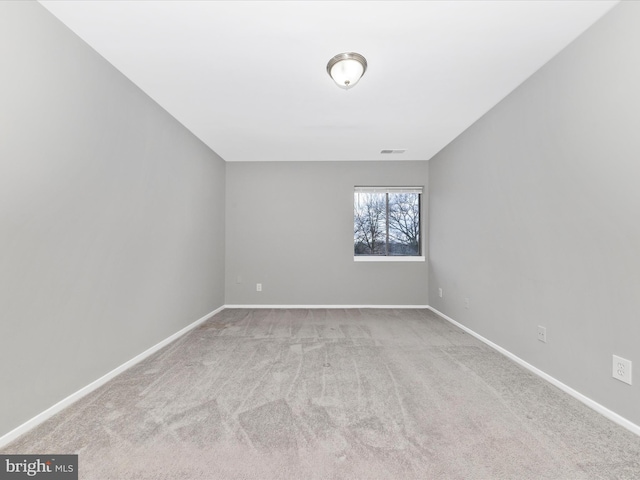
111,217
290,227
535,216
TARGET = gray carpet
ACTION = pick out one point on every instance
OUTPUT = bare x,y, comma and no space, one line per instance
333,394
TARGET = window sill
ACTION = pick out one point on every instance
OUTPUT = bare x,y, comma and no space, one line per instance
390,258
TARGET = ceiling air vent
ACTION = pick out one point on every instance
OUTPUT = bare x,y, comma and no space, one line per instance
398,150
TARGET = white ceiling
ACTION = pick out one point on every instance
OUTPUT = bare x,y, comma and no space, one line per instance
249,78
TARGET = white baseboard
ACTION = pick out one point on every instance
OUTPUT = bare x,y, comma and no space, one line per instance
74,397
613,416
325,306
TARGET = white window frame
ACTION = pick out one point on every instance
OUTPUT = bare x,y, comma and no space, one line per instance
394,258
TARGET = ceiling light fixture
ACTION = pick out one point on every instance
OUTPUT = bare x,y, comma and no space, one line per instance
346,69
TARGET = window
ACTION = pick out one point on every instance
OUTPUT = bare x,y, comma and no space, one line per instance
386,223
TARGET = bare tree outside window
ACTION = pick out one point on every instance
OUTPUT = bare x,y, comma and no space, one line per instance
386,223
369,224
404,222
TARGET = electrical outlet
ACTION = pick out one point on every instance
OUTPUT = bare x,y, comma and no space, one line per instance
440,292
621,369
258,287
466,303
542,334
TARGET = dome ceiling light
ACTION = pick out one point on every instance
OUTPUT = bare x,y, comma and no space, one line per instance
346,69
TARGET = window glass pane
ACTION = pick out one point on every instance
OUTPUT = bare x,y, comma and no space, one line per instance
404,224
369,223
